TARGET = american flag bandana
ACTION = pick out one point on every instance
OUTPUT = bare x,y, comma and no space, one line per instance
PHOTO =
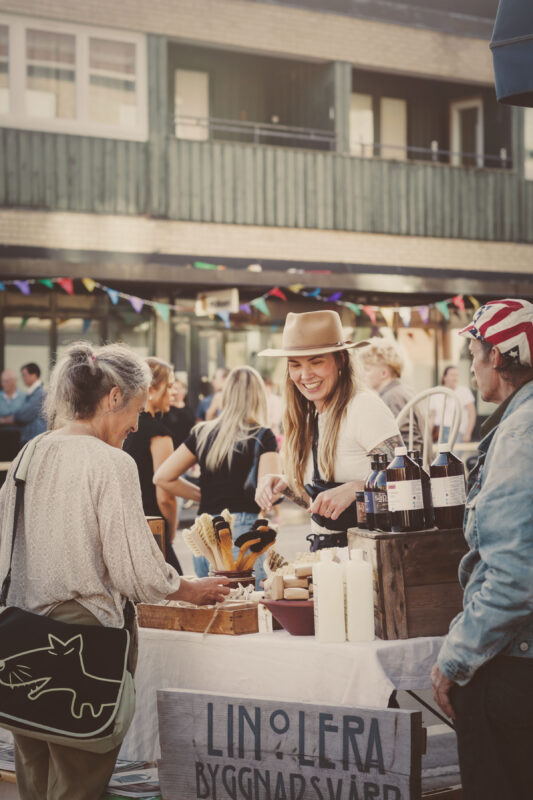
507,325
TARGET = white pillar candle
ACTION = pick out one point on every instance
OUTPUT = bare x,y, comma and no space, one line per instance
328,594
359,598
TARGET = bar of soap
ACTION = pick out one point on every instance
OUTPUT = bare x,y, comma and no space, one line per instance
296,594
275,589
291,582
303,570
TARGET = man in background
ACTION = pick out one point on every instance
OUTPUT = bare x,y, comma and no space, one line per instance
10,399
29,417
484,674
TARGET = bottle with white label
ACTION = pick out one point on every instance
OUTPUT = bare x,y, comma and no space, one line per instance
426,488
369,489
404,492
328,596
448,488
359,589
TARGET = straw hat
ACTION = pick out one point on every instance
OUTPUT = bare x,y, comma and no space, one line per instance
312,333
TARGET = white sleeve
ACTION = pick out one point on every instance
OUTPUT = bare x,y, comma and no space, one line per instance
135,563
371,420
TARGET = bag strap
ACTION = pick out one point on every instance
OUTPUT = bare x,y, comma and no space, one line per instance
316,471
21,471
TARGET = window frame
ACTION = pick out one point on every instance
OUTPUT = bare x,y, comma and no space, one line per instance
80,125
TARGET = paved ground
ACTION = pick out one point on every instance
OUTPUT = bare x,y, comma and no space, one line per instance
440,764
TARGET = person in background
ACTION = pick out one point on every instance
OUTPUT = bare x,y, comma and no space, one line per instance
484,674
225,449
11,400
274,407
383,363
86,546
332,424
179,419
149,446
209,407
450,378
29,416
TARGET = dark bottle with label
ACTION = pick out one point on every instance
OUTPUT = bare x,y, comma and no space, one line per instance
369,494
426,488
448,488
360,510
380,497
404,490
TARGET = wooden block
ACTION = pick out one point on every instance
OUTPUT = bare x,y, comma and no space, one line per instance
291,582
416,589
157,526
303,570
241,618
296,594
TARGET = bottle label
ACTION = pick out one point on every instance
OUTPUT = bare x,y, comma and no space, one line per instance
369,502
449,491
381,505
405,495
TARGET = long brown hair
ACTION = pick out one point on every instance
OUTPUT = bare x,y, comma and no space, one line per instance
300,420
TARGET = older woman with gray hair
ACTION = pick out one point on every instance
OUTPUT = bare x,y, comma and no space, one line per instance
84,546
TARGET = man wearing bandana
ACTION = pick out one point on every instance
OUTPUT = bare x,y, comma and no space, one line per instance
484,674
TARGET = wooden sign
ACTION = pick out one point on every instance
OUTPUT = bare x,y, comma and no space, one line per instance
216,747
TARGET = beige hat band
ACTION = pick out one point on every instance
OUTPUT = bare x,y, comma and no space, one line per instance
314,346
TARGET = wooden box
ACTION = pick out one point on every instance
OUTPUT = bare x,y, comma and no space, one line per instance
416,588
157,526
241,618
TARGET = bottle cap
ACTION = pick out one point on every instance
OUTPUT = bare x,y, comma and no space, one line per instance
444,447
413,453
400,451
357,555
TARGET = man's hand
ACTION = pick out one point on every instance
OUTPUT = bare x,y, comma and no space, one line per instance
441,691
205,591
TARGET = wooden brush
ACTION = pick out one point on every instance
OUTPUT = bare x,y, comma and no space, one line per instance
244,552
252,557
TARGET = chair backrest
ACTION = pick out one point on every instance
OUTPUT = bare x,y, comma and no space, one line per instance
450,399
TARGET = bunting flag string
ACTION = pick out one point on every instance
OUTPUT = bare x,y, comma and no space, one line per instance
259,304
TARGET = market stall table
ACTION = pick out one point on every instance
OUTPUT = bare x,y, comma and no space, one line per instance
273,666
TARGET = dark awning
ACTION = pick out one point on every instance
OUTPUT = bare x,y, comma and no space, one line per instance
512,52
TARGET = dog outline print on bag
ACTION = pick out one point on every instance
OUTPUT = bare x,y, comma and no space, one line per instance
29,669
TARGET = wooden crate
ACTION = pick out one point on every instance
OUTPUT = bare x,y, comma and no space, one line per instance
416,589
157,526
235,620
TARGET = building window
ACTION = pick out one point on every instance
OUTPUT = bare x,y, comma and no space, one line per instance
393,128
72,79
361,125
50,74
528,143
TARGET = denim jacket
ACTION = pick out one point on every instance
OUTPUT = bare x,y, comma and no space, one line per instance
497,573
30,415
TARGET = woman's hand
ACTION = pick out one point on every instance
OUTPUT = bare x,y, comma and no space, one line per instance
205,591
269,489
333,502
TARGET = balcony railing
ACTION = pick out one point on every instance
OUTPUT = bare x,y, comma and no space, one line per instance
203,128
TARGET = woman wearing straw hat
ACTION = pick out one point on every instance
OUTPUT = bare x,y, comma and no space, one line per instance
332,424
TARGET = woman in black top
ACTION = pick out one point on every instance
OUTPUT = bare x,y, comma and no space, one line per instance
150,446
180,418
225,449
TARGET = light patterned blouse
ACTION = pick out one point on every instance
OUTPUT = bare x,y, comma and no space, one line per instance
83,535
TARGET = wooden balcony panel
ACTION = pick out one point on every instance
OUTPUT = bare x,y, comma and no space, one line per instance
244,184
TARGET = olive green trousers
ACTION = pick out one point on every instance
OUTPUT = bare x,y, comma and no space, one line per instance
47,771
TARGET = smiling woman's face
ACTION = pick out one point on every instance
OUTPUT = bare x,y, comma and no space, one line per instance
120,423
315,377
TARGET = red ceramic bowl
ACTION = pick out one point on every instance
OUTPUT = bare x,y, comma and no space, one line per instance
296,616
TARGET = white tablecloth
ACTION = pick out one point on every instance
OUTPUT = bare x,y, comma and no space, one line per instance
275,666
